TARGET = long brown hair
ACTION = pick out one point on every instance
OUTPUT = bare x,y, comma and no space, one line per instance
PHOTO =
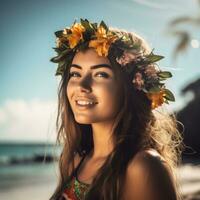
136,128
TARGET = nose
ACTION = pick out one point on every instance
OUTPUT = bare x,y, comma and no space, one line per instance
85,84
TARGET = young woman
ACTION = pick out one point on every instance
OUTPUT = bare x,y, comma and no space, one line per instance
117,144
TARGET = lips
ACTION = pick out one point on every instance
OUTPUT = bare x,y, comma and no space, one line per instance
85,99
88,100
85,106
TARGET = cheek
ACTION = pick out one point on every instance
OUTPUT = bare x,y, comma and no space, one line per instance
110,105
110,96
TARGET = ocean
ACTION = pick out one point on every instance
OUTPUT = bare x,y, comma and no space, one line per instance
27,169
16,153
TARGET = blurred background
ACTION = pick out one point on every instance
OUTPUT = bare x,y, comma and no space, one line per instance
28,87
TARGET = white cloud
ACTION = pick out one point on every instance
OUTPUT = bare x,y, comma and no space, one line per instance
35,120
32,120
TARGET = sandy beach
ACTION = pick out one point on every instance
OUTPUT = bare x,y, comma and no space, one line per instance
37,191
40,184
37,182
189,176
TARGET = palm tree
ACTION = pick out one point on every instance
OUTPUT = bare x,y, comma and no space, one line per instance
184,36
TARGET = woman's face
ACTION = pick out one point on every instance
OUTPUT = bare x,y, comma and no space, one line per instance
93,81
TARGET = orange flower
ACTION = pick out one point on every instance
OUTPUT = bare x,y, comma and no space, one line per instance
157,98
76,35
102,41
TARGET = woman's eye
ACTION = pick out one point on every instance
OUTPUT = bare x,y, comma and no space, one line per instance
99,74
102,74
74,74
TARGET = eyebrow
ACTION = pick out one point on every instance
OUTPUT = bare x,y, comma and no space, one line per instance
93,66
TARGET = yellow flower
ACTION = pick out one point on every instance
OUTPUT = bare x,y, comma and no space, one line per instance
157,98
76,35
102,42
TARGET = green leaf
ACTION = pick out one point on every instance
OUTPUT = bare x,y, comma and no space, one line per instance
86,24
161,79
135,46
94,25
161,84
154,89
83,46
164,74
64,55
85,20
59,33
59,71
154,58
58,50
59,57
61,67
169,95
55,59
166,101
104,25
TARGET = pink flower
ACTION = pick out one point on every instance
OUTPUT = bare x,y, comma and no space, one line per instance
127,57
151,71
138,81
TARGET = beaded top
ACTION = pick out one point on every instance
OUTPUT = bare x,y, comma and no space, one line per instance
75,189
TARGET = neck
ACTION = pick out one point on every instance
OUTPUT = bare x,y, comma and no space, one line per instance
102,139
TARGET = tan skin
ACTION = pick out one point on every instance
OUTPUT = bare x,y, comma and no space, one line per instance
100,85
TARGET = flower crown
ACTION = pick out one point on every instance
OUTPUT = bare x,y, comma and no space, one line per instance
144,71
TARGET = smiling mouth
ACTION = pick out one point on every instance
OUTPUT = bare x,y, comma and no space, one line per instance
85,104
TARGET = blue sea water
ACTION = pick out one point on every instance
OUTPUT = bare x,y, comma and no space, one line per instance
19,166
11,153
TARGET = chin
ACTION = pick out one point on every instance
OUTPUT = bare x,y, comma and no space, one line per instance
84,120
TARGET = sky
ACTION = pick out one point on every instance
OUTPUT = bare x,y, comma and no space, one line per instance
28,86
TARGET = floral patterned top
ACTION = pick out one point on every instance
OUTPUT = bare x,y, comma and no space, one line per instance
75,189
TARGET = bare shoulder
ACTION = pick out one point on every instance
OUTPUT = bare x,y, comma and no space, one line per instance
147,172
148,159
149,163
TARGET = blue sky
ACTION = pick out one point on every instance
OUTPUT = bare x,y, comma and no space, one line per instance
27,81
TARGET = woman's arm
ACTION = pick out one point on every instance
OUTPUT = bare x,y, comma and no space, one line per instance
149,178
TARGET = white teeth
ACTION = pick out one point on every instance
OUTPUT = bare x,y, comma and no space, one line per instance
85,102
